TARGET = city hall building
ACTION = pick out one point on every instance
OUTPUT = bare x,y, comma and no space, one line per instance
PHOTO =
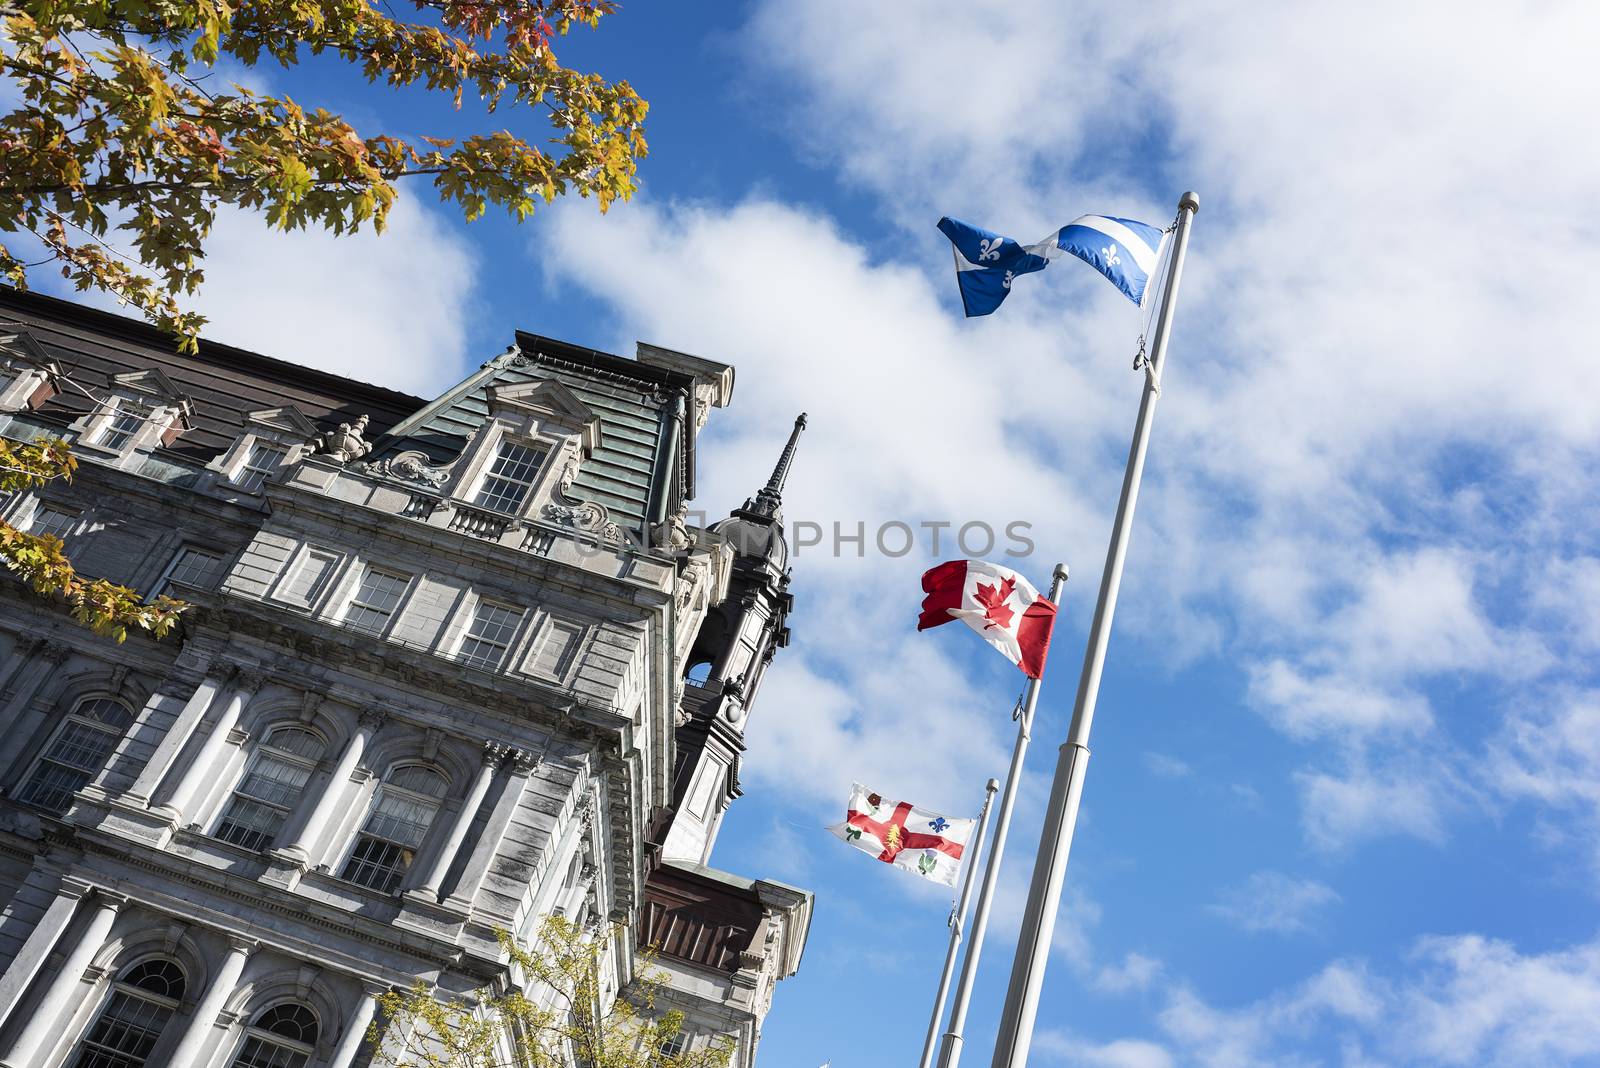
452,666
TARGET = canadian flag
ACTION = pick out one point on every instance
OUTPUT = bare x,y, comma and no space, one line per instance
995,601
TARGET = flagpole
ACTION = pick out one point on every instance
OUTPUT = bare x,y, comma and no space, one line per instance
950,1047
1061,818
957,917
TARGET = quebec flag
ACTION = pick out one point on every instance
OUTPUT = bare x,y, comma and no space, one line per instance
1123,250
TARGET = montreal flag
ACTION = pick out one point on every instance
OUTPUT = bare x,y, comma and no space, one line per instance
1001,605
899,833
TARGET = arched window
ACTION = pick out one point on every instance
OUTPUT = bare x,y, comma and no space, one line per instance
402,809
142,1001
284,1036
76,752
272,784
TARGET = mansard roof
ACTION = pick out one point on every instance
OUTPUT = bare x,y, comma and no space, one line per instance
224,383
633,400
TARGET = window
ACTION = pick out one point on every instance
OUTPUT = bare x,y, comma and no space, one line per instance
273,783
284,1036
510,477
488,635
76,753
676,1046
193,567
558,644
402,810
48,520
142,1001
264,459
375,600
124,423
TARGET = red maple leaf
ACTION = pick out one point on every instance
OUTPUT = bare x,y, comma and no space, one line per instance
993,599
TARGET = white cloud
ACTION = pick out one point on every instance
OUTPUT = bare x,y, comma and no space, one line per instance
1471,1001
1120,1053
390,309
1338,810
1165,766
1274,902
1135,972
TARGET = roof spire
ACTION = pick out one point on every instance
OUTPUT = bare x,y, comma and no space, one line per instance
770,498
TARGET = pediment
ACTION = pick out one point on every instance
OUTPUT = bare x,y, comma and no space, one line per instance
19,347
151,381
287,418
553,403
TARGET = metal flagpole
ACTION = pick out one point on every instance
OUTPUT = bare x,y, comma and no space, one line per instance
1050,869
958,917
950,1047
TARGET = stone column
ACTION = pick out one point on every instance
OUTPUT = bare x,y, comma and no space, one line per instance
523,765
45,1021
493,754
355,1031
172,742
211,1002
23,688
303,849
203,768
42,939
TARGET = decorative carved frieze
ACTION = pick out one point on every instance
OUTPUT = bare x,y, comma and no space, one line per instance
412,467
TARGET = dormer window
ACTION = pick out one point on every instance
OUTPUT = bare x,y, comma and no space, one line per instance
260,464
142,410
127,417
273,438
28,375
510,477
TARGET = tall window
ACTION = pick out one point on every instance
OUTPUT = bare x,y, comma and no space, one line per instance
402,810
76,752
274,782
263,460
123,425
284,1036
142,1001
676,1046
47,520
489,634
193,567
508,480
375,600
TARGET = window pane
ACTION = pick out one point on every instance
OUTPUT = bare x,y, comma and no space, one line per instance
509,477
377,864
196,567
490,631
259,466
124,424
395,828
299,741
374,602
50,521
140,1005
262,1053
76,753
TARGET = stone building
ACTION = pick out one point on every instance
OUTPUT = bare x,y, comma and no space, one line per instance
452,666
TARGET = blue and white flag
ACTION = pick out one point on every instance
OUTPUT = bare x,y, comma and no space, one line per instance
1123,250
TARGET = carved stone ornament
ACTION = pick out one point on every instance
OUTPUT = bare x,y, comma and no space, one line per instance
588,516
673,534
346,443
55,652
412,467
569,475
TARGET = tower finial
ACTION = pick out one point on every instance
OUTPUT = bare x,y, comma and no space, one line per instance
770,498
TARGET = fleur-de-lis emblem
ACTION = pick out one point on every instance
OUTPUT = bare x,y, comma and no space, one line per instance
989,248
938,825
1110,254
1005,283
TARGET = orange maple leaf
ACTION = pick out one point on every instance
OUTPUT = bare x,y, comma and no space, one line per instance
993,599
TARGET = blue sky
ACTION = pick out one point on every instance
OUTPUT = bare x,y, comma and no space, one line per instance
1344,804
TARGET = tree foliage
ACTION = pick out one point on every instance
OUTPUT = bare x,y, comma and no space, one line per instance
118,131
508,1030
39,560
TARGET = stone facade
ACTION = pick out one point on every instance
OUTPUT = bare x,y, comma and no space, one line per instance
452,666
